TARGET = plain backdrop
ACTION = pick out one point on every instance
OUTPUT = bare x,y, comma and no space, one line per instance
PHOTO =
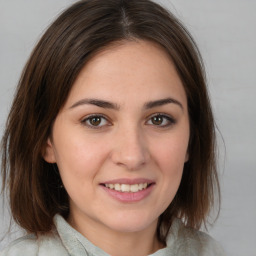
226,34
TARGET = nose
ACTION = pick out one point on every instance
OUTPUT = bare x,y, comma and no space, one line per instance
130,149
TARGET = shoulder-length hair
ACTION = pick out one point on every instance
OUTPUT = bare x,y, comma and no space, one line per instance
69,43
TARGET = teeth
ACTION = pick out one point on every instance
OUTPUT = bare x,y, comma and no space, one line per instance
134,188
127,188
117,187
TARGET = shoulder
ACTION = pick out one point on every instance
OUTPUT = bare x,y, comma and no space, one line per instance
27,245
201,243
31,245
194,242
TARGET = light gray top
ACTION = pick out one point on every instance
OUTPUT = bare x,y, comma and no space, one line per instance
66,241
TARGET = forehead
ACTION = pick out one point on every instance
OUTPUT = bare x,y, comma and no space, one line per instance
138,69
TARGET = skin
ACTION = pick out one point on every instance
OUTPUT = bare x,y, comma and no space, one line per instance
126,143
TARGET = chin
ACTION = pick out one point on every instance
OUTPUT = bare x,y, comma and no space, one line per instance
132,223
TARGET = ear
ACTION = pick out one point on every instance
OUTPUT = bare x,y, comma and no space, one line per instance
48,152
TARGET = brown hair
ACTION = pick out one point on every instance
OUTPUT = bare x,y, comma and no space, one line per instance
68,44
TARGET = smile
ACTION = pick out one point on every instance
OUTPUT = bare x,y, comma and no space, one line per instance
128,190
127,187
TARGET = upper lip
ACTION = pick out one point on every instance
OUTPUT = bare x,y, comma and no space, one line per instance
129,181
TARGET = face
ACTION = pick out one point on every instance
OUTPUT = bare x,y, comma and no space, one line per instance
120,141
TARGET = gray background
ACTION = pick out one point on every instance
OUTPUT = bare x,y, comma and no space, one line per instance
226,34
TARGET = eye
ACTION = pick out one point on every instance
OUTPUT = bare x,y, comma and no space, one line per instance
161,120
95,121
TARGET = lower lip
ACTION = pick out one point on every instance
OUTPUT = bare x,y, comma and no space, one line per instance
129,197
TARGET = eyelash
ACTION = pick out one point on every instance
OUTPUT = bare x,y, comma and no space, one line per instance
90,118
170,120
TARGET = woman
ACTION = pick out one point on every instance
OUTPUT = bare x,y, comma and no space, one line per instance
109,145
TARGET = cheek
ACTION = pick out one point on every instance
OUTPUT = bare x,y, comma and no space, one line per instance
170,157
171,153
79,165
79,158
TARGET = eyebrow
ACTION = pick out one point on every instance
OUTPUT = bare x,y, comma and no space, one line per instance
110,105
96,102
161,102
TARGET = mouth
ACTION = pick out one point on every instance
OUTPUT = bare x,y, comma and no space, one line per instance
127,188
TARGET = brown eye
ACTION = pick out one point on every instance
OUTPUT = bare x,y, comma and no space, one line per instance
161,120
95,121
157,120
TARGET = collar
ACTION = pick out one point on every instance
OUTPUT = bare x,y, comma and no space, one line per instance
76,244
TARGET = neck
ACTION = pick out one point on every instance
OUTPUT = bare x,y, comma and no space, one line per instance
118,243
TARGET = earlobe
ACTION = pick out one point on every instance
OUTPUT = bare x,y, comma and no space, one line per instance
48,152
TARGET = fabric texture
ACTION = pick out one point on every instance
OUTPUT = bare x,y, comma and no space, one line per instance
66,241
